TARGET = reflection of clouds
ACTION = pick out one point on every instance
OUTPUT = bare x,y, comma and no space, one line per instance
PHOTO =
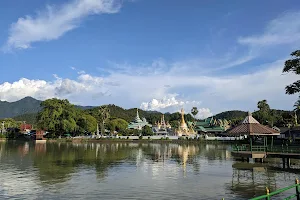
21,184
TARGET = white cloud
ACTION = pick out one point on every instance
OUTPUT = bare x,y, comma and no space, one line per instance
168,102
183,90
203,113
171,103
61,88
55,21
283,30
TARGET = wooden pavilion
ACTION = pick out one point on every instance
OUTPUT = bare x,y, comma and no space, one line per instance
251,127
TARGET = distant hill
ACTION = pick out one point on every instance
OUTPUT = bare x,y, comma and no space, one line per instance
30,118
24,108
229,115
27,108
26,105
130,114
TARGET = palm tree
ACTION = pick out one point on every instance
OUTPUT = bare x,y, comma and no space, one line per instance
194,112
296,110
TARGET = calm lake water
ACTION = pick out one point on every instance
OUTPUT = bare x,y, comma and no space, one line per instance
132,171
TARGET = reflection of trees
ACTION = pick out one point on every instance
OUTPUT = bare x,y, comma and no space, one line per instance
57,162
16,154
60,161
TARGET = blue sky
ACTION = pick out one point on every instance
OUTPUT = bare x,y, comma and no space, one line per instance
154,54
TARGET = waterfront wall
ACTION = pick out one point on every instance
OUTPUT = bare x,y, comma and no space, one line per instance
158,137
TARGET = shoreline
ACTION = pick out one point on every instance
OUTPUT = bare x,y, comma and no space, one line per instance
144,141
185,141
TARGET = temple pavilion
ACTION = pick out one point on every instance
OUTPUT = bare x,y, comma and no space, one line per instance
184,129
251,127
211,125
138,123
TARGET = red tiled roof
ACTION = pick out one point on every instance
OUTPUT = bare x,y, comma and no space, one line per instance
253,129
251,126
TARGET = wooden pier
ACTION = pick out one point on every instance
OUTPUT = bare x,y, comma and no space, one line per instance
259,153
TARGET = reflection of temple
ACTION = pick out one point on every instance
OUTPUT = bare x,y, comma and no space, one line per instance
183,129
162,127
185,151
138,123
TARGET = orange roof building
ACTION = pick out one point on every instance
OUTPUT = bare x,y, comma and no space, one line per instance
251,126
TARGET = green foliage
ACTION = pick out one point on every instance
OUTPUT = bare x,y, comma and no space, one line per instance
30,118
272,117
293,66
194,111
264,111
9,123
147,131
130,132
231,115
59,117
118,125
87,123
129,114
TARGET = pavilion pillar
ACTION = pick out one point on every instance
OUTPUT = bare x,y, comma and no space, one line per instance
272,142
288,162
251,143
283,163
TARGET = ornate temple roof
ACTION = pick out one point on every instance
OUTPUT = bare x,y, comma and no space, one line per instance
137,123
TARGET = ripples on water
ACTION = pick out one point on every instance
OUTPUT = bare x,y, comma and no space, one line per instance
131,171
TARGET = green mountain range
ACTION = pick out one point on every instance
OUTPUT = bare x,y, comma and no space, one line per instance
27,108
26,105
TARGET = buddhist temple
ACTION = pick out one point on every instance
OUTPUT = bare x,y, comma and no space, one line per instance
138,123
211,125
183,129
162,127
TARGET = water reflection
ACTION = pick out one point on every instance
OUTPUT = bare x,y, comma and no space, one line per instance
131,170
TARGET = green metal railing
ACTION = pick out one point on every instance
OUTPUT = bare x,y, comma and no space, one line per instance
268,195
275,149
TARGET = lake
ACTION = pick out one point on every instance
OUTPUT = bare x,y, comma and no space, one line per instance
127,170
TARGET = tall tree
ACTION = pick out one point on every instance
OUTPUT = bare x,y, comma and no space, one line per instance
104,115
194,112
264,111
57,116
296,111
293,65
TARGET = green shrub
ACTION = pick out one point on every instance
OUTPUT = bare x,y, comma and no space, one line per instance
167,138
140,137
